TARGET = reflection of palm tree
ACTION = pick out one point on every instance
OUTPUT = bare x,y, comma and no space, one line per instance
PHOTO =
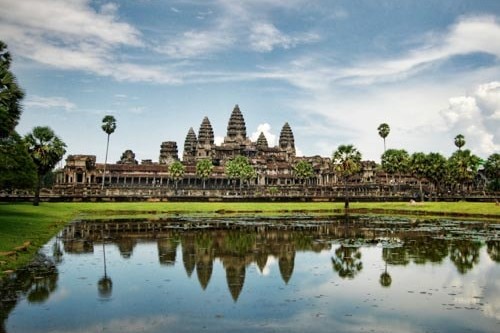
465,254
385,278
57,252
105,284
347,262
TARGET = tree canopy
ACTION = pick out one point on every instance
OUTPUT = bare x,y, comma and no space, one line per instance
46,150
10,95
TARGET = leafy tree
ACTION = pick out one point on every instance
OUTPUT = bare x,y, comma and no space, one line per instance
395,161
204,169
10,95
303,170
240,168
46,150
436,170
492,171
176,171
109,127
459,141
418,168
17,169
463,166
346,162
383,131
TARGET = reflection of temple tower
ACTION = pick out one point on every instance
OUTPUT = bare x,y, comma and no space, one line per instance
286,262
261,261
126,246
188,254
167,250
204,268
235,275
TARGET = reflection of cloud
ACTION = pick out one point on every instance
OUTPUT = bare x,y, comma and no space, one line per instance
271,261
156,323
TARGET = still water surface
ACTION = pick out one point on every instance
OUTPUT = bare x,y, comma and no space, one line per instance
255,275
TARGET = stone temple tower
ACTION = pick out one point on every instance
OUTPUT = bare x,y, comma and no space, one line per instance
168,152
287,142
205,140
262,142
189,155
236,128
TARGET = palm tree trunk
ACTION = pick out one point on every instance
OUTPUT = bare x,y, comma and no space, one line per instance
105,162
421,191
346,196
36,199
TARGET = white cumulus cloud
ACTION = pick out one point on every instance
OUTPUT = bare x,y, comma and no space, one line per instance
475,117
266,129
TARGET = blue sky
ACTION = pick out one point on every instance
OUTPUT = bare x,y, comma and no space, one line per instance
334,70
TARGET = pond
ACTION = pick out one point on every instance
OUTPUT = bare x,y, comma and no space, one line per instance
283,274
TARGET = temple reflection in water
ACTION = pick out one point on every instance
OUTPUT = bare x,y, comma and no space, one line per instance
238,244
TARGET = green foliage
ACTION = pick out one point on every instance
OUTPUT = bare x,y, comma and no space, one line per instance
204,169
46,150
383,131
303,170
176,171
459,141
436,168
418,165
17,170
463,166
108,124
395,161
240,168
10,95
492,171
346,161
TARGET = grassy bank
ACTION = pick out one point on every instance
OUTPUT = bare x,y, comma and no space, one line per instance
25,228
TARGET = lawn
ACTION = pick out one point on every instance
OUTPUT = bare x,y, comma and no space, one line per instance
25,228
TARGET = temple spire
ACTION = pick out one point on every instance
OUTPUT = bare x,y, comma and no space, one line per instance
236,128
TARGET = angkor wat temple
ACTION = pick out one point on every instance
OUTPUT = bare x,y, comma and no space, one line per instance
274,166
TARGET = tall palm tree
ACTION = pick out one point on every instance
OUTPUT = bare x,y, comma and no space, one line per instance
204,169
383,131
108,126
418,168
46,150
459,141
176,171
347,162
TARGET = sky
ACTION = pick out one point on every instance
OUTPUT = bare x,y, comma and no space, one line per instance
334,70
